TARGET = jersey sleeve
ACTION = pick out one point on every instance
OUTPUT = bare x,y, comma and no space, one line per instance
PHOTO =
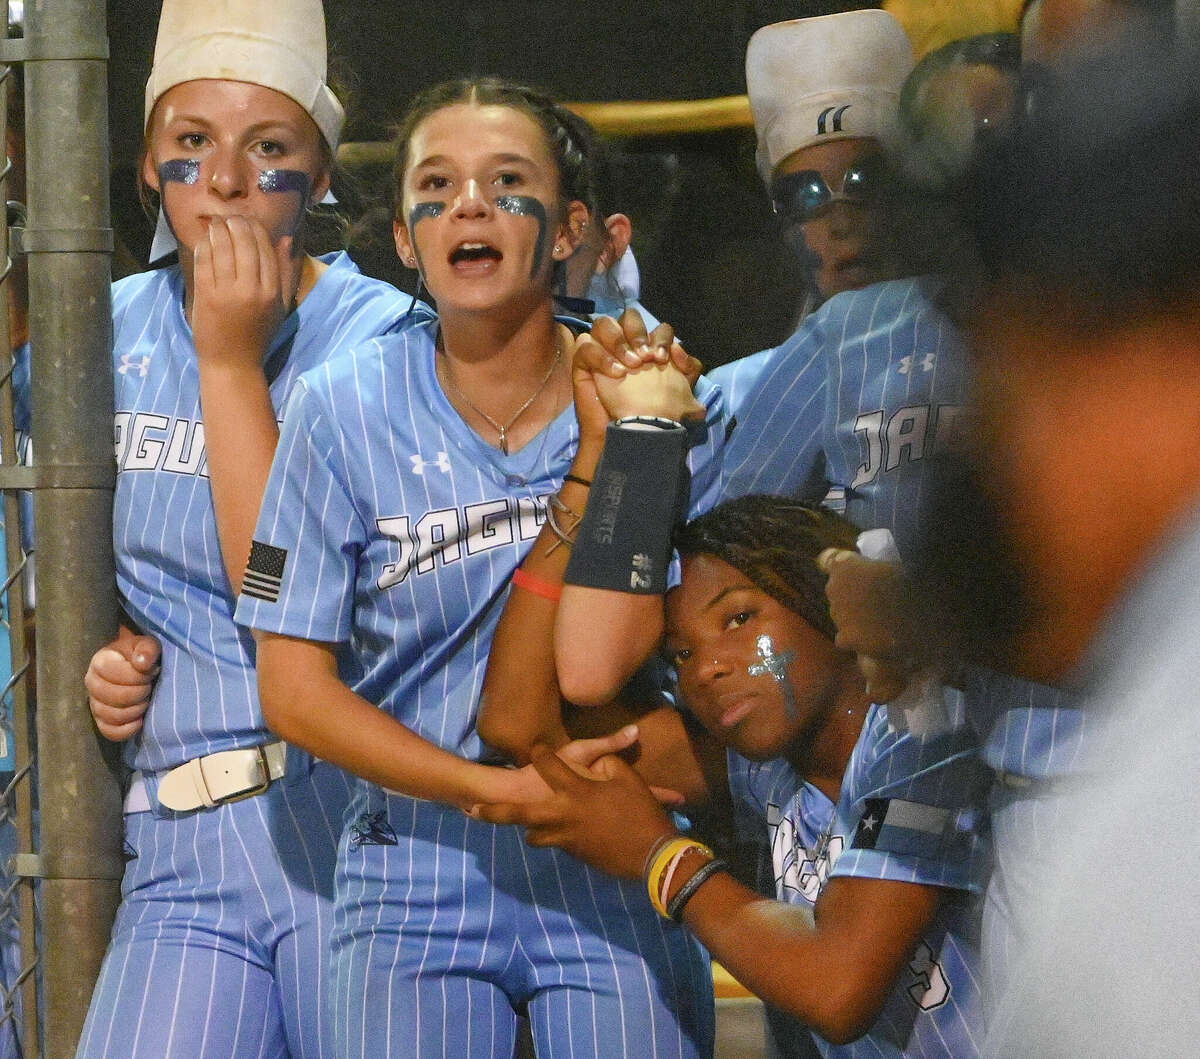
913,808
300,580
776,442
706,453
737,378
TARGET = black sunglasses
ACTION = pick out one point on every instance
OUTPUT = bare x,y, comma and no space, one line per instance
797,197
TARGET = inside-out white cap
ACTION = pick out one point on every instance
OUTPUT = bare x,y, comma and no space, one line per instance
278,44
827,78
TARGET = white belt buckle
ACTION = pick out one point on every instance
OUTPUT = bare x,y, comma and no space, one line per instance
196,783
264,768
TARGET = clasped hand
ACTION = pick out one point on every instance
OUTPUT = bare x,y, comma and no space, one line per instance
619,370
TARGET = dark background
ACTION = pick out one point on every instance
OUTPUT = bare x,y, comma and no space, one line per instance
703,234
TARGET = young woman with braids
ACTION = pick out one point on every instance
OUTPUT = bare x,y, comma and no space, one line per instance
412,478
870,942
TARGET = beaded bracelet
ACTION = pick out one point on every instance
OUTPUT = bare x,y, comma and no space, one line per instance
688,890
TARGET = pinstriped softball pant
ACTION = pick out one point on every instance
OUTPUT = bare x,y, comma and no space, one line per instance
220,947
440,938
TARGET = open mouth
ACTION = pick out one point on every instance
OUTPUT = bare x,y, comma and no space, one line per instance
473,252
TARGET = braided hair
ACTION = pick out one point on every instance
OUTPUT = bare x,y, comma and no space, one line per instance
570,139
774,541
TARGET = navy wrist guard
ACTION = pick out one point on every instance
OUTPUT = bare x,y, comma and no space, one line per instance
639,493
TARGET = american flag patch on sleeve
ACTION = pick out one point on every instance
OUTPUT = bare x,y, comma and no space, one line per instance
264,572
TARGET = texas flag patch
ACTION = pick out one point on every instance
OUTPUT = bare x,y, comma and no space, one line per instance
892,825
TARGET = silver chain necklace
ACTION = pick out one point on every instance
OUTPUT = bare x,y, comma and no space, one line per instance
500,428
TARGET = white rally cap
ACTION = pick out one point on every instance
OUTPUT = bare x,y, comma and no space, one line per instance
278,44
827,78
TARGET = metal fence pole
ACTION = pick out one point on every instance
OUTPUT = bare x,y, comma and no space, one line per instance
69,244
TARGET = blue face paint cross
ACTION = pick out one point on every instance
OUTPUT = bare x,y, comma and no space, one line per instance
775,665
277,181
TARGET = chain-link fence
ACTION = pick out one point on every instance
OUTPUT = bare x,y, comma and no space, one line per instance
18,937
59,803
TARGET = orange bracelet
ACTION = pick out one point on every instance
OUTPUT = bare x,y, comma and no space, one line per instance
532,583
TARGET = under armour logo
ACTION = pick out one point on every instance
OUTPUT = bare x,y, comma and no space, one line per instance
823,117
131,363
442,463
926,363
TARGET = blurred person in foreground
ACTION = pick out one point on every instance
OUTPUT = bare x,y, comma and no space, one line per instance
1070,547
1037,740
1054,31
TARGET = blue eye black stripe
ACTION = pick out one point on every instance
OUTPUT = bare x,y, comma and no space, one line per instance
528,206
180,170
284,180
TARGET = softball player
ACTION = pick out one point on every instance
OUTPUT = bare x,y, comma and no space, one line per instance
875,828
853,409
411,478
824,93
221,937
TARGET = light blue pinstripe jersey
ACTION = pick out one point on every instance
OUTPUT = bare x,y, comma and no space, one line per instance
1034,730
169,568
402,528
934,1009
853,405
737,379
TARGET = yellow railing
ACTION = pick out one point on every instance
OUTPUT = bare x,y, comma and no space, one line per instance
620,119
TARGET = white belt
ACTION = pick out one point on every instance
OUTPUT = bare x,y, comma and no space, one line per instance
206,782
